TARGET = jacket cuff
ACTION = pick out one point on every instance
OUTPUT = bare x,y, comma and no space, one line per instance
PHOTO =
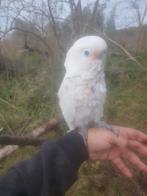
73,145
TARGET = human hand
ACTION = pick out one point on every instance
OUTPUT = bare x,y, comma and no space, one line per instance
118,146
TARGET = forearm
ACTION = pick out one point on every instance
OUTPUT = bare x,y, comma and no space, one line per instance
51,171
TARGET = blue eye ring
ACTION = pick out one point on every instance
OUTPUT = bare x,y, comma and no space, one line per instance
86,52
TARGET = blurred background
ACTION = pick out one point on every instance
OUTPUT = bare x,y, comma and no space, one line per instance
34,38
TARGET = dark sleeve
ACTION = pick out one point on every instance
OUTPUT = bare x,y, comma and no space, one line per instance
50,172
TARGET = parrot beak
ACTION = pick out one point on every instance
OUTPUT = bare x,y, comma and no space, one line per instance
95,55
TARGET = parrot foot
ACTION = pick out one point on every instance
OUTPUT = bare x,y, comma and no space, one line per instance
83,131
103,124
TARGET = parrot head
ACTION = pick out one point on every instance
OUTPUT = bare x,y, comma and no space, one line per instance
87,55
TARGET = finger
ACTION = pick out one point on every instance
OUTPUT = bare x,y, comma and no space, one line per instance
135,160
122,167
136,135
141,137
135,145
132,133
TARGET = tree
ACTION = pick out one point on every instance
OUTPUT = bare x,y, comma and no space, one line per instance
24,33
110,24
140,16
140,12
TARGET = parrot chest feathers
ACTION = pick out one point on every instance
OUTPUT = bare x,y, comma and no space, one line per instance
82,101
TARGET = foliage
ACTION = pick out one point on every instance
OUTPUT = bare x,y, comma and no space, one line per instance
31,99
33,39
28,98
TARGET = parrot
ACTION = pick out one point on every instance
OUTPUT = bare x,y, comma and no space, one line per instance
82,93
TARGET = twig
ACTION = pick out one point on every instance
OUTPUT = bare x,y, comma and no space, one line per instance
7,150
21,140
124,50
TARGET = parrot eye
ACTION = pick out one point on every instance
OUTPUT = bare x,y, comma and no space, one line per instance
86,52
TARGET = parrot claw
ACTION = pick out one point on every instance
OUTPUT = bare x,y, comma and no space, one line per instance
103,124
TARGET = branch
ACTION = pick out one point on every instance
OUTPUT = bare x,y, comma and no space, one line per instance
54,26
136,8
144,14
124,50
30,139
131,57
21,140
52,124
95,9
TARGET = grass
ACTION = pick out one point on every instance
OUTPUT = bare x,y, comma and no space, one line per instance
30,99
126,103
27,100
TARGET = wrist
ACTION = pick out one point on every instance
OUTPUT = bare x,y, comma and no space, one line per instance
90,147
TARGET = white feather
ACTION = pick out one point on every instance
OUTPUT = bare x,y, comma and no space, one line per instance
83,90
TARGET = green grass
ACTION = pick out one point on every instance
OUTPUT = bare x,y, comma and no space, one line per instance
29,99
127,103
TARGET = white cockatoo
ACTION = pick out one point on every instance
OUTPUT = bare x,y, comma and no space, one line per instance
83,90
